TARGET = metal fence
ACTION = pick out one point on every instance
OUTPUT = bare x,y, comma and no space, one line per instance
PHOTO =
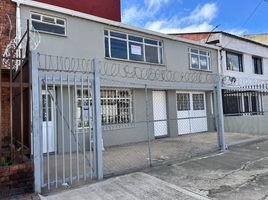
244,109
66,125
95,118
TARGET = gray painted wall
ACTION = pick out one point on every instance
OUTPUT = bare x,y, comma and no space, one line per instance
85,39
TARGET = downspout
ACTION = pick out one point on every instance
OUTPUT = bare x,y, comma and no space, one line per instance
18,22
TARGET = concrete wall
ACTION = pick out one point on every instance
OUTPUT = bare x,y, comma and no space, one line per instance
85,39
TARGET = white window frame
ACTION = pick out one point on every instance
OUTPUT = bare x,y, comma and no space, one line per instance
117,97
199,55
55,23
159,47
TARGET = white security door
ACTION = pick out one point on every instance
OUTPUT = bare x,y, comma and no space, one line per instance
48,124
198,113
160,113
183,112
191,112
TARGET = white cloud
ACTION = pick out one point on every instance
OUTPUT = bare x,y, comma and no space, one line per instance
207,12
135,14
150,15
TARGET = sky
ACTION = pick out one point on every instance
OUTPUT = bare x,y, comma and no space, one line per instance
173,16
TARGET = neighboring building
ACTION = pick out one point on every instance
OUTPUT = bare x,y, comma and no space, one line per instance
261,38
73,34
7,33
245,62
109,9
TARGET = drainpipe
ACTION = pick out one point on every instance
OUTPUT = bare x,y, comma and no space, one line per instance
18,21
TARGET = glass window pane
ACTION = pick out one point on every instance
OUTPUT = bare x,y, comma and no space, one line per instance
194,51
61,22
118,49
194,61
107,54
234,62
48,20
48,28
118,35
136,51
203,62
153,42
151,54
183,102
35,16
105,32
134,38
198,102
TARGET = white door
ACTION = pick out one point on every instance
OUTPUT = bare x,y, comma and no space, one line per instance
191,112
48,124
160,113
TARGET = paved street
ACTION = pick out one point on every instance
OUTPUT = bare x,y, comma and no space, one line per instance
240,173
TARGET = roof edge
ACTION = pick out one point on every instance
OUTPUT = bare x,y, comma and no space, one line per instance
78,14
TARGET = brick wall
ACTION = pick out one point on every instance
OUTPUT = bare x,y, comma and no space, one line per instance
17,179
193,36
7,14
7,32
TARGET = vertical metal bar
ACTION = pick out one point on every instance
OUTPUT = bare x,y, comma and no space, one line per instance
83,127
216,113
47,134
62,131
93,127
147,125
1,100
36,126
89,124
70,130
55,132
220,116
10,101
41,128
76,130
98,126
21,111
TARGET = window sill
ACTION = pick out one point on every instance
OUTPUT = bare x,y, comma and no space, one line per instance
117,126
136,62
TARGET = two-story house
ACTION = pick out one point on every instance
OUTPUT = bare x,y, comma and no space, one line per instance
243,63
74,34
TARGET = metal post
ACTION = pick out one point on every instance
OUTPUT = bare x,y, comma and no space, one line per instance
220,117
36,126
147,125
97,124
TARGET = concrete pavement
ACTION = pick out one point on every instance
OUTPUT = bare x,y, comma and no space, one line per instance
134,186
241,173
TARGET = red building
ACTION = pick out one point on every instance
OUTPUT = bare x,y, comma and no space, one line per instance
109,9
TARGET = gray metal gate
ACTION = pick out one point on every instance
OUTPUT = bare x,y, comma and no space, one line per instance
66,121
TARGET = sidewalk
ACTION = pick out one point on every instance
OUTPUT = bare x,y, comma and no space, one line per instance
134,186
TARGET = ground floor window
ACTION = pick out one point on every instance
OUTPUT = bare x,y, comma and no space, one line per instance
237,103
116,107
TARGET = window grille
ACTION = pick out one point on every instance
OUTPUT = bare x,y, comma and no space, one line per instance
183,101
116,107
198,102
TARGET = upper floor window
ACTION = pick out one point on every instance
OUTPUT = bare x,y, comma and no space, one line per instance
131,47
257,64
48,24
234,61
199,59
